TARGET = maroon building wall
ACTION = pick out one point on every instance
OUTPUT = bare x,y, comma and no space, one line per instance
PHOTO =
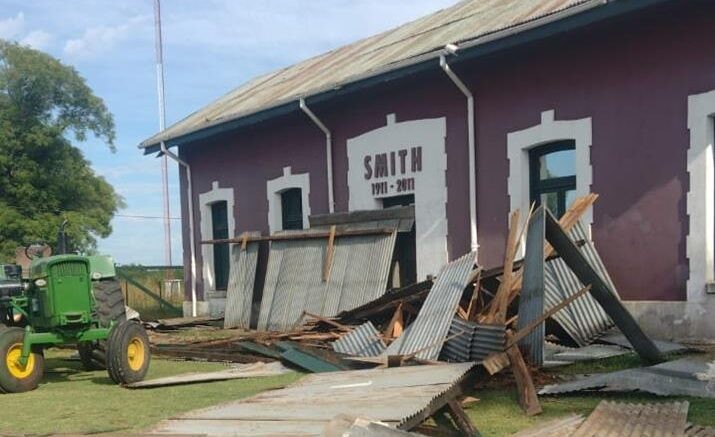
631,76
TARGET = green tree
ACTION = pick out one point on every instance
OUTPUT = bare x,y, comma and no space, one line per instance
44,179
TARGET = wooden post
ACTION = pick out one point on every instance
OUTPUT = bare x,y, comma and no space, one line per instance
463,422
524,384
329,254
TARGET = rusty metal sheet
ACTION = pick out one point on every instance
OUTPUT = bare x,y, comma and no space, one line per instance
396,396
468,22
635,420
431,326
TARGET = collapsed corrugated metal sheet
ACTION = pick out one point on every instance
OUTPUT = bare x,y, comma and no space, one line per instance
363,341
241,278
431,326
469,341
635,420
674,378
584,319
396,396
294,277
531,297
467,21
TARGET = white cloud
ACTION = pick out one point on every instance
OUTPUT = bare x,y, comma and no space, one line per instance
103,38
37,39
11,28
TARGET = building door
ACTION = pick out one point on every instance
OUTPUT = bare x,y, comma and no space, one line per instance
404,259
292,209
552,172
219,223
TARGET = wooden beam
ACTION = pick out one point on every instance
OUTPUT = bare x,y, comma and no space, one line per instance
460,418
497,312
304,236
524,384
328,264
396,325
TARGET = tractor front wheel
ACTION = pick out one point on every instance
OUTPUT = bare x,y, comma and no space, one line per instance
128,353
14,377
109,301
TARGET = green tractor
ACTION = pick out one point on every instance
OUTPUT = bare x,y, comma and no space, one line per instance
67,299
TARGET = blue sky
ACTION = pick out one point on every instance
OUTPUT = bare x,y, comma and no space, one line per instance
210,47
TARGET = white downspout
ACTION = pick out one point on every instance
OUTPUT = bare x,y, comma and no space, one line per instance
328,152
190,202
472,148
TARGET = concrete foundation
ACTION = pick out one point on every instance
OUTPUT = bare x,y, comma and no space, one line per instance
676,321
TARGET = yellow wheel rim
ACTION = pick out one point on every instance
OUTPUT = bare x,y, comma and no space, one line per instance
12,361
136,354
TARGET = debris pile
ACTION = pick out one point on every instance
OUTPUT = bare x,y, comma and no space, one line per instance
326,308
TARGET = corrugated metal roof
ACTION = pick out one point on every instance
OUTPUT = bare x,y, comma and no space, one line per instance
432,324
241,278
363,341
584,319
635,420
466,22
294,277
396,396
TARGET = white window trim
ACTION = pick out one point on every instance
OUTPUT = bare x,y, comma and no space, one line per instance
206,199
549,130
700,204
275,187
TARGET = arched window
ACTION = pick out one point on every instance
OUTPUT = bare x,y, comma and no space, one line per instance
553,175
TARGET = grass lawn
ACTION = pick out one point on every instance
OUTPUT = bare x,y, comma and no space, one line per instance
71,400
498,414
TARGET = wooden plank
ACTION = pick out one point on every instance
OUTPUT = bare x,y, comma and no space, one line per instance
338,218
497,311
396,325
556,235
463,422
524,384
328,264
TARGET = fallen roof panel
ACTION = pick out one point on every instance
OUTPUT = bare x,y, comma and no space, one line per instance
683,377
399,396
430,328
635,420
363,341
294,277
241,278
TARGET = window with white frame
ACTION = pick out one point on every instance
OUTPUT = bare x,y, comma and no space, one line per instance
288,201
550,162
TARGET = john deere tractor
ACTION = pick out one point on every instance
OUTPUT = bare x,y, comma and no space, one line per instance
67,299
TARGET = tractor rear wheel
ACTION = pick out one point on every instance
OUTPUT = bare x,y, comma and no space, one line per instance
15,378
109,301
128,353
